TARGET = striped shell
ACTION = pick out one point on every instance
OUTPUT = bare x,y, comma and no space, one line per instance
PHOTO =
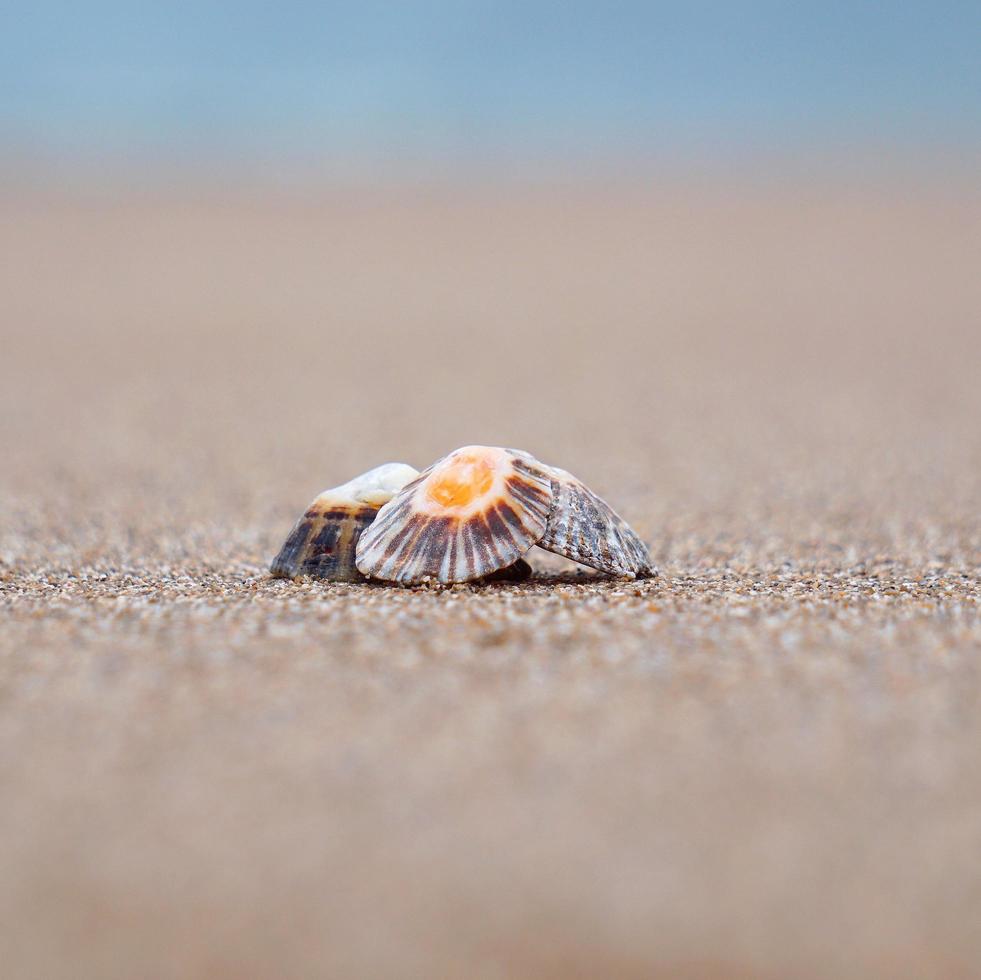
323,540
473,512
585,528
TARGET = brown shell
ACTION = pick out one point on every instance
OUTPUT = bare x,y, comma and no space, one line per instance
585,528
416,537
323,541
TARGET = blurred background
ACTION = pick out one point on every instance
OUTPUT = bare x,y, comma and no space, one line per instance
441,88
363,216
719,260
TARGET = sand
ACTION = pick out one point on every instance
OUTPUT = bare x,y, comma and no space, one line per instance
764,763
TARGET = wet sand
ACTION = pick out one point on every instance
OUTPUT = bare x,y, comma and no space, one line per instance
763,763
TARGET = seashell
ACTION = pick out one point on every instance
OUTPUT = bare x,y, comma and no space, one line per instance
584,527
322,542
470,514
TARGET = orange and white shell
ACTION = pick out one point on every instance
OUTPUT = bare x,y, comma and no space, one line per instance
479,509
470,514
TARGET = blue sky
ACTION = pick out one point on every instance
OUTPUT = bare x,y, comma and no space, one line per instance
475,79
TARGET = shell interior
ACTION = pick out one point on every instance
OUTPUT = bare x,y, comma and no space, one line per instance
520,571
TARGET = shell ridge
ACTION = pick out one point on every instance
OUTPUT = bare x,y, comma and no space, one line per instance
400,544
584,527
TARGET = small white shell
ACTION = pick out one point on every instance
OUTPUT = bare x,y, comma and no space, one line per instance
471,513
323,540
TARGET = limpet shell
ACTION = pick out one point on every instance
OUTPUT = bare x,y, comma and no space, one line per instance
470,514
584,527
322,542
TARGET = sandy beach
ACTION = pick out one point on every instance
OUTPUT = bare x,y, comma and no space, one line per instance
763,763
